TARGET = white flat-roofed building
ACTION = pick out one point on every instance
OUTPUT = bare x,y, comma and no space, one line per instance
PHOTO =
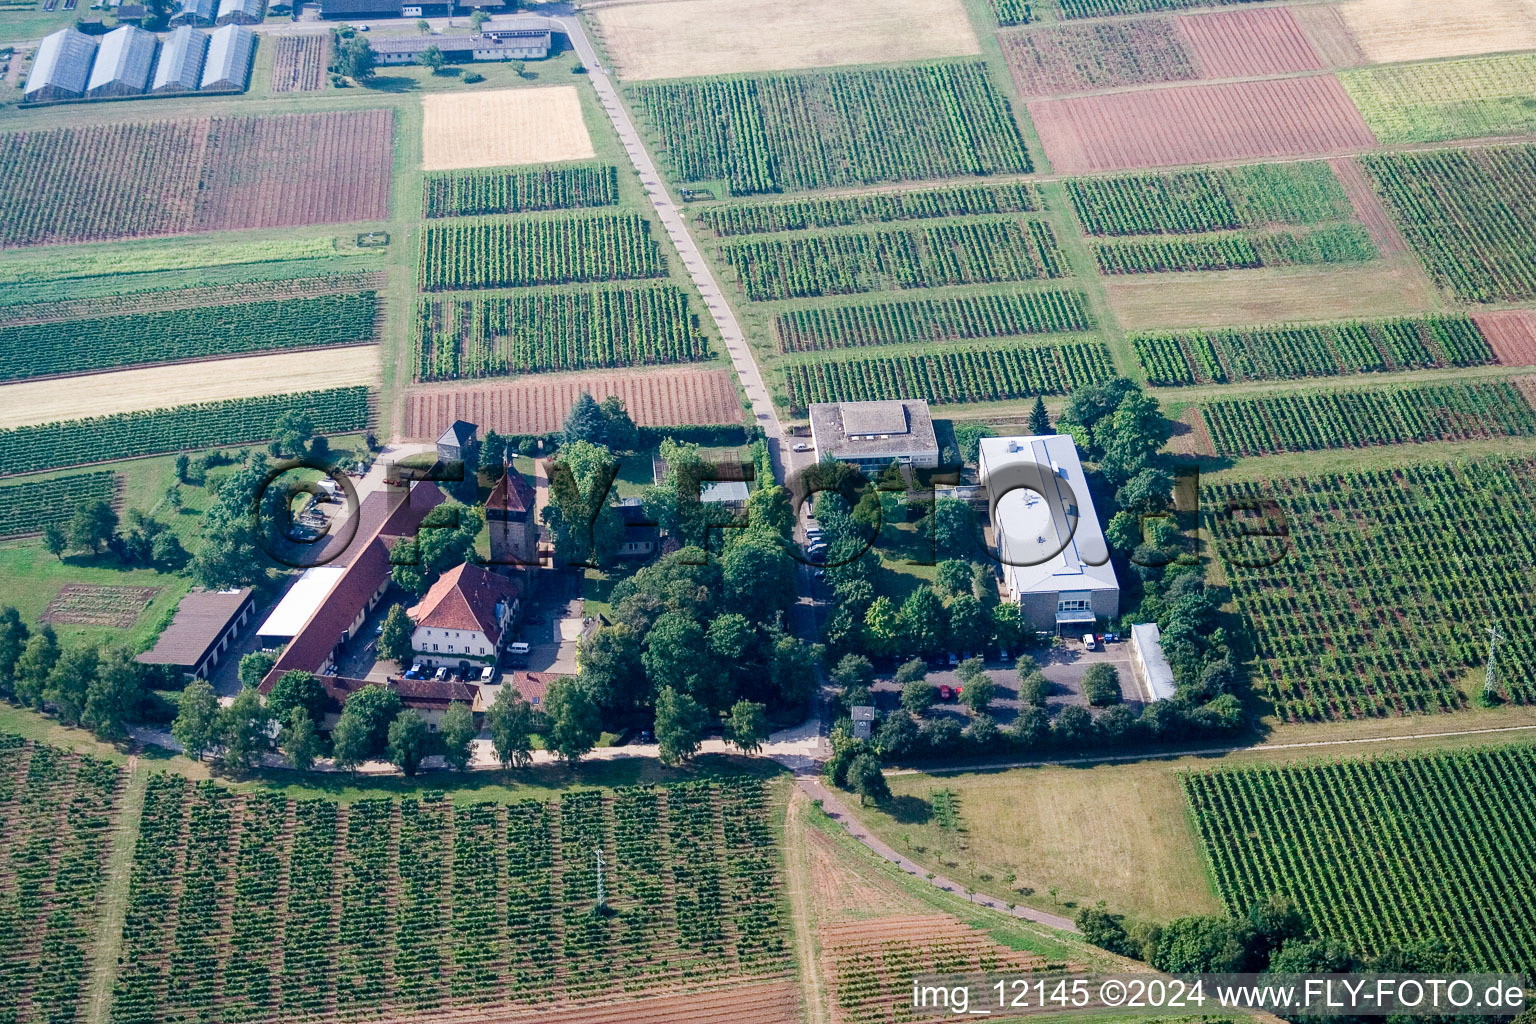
62,67
180,68
123,62
228,65
1055,559
872,435
1149,664
301,602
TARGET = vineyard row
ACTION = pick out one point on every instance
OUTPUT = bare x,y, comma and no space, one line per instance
932,320
503,190
532,251
877,208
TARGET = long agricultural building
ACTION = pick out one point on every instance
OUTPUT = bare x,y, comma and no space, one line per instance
71,65
498,45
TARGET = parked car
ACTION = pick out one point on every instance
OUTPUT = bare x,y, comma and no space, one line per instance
802,447
488,674
1111,638
416,671
953,659
441,675
945,693
1089,644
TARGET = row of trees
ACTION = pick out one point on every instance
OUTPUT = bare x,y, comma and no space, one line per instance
136,539
101,689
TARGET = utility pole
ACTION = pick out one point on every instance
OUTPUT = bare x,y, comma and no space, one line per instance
1490,675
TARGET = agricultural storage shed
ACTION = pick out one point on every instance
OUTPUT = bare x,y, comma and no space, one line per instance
301,602
181,61
466,48
228,65
206,623
122,63
1148,662
241,12
194,12
62,67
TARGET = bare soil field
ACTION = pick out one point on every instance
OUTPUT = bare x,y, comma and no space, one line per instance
687,38
538,404
1285,117
1330,35
1402,30
91,604
1511,333
1051,60
161,387
1367,206
1248,43
298,63
502,128
1190,436
1237,297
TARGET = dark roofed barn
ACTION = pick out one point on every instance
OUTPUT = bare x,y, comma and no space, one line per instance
206,623
458,442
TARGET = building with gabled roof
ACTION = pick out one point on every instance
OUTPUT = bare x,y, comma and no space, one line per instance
509,515
194,12
123,62
458,442
241,12
61,69
464,616
228,65
180,68
206,623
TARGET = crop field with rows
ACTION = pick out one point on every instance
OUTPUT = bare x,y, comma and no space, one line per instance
151,432
298,63
1405,569
1189,202
1310,350
1469,214
168,336
55,822
1406,413
1340,243
954,375
529,251
517,190
108,181
31,507
496,335
895,258
1081,57
829,129
1383,851
1108,8
422,905
931,320
876,208
1452,99
1012,12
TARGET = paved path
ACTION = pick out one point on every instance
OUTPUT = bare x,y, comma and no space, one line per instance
839,812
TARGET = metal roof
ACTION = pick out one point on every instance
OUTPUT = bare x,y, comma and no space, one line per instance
456,44
123,59
63,61
229,58
252,9
301,602
202,10
1147,643
181,61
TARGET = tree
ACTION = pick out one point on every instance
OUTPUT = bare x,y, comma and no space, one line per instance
759,578
197,719
968,437
897,736
747,726
968,623
13,640
982,732
1073,726
1039,420
297,689
432,58
1033,687
244,729
93,525
518,67
923,622
374,707
621,433
1116,723
68,682
585,525
447,539
1007,625
680,723
881,628
34,665
350,741
357,60
978,694
423,26
183,468
574,719
1031,728
1201,945
395,639
953,576
952,526
610,663
1101,685
477,20
866,778
254,667
54,541
853,671
457,731
510,722
112,696
907,671
167,552
407,741
917,697
291,434
585,422
299,740
674,656
1105,930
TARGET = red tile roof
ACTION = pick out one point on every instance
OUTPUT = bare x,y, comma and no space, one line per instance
421,694
533,686
512,493
465,597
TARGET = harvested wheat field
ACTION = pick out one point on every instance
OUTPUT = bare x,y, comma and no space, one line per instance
685,38
1401,30
538,404
502,128
1511,333
162,387
1236,297
1245,44
1285,117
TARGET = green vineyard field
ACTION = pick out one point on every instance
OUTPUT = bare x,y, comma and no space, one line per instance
510,190
1310,350
73,346
932,320
497,335
1341,243
1110,8
827,129
974,252
1405,570
1383,851
955,375
33,506
531,251
878,208
1190,202
1475,97
1407,413
152,432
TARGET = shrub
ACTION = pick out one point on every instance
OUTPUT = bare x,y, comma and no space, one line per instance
1101,685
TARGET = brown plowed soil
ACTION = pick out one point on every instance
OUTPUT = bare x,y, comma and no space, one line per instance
1512,333
1246,44
775,1002
1190,436
1194,124
1368,206
538,404
1331,38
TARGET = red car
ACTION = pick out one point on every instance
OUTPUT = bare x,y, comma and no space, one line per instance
945,693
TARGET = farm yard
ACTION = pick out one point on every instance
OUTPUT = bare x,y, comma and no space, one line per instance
504,127
134,180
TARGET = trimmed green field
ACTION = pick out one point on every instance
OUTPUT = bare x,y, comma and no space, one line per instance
1449,99
829,129
1384,851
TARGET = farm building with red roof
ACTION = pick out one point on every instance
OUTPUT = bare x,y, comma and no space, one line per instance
464,616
